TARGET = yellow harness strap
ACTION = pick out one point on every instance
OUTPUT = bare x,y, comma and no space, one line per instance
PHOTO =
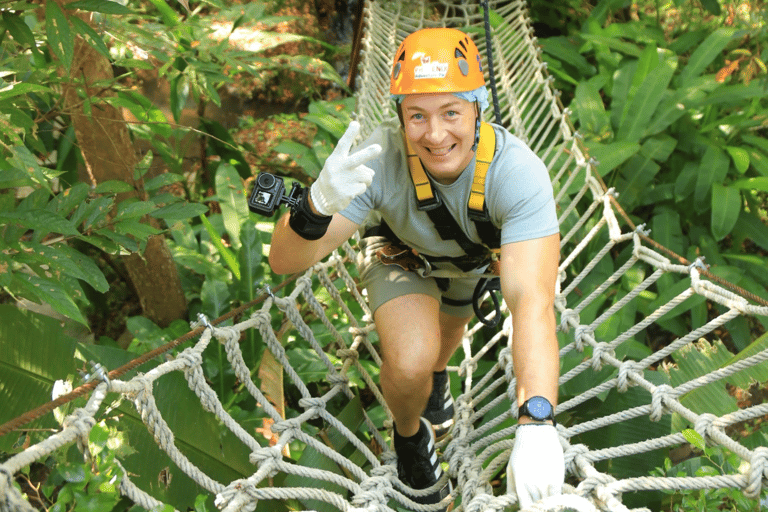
426,195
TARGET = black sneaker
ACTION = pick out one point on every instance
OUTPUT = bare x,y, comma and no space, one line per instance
439,409
417,464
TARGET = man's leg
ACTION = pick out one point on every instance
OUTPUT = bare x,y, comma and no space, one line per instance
409,331
451,332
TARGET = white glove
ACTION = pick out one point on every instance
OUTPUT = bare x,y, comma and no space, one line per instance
343,176
536,468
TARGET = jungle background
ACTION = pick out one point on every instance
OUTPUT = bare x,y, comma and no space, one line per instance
130,134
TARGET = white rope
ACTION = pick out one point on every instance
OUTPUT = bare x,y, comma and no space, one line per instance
478,448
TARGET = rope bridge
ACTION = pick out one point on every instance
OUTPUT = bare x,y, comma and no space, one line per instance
621,403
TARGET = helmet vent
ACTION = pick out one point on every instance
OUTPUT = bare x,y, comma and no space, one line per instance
464,67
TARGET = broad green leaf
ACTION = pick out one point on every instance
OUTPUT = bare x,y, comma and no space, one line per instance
162,180
92,212
712,6
694,438
65,259
215,297
706,52
760,183
566,51
328,123
113,187
136,228
134,209
740,158
87,33
19,30
613,43
51,292
726,205
22,159
611,155
19,88
750,226
225,252
67,201
712,169
233,201
102,6
60,37
302,155
170,17
34,352
145,112
41,221
249,256
178,211
643,105
588,105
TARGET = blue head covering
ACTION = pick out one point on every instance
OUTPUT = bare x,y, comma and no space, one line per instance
479,95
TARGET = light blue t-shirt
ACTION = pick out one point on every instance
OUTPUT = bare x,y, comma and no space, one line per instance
518,195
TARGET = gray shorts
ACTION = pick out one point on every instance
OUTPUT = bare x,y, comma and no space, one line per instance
386,282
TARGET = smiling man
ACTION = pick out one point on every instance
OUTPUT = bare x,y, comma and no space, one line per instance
442,200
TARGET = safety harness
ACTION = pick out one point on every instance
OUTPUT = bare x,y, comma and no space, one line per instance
428,200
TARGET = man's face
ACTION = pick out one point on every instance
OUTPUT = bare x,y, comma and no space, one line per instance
441,129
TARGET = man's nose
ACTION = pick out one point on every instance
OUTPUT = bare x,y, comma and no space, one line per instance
435,130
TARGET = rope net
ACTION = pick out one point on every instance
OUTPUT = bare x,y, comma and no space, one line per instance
623,406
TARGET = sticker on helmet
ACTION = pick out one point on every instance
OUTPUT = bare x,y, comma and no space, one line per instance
429,69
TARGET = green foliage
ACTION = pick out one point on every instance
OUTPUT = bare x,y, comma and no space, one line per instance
331,119
706,462
679,135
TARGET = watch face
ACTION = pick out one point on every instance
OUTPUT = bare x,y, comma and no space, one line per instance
539,408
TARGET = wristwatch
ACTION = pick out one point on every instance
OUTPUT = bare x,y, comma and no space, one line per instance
538,408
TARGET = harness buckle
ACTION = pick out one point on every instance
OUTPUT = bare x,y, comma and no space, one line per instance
425,205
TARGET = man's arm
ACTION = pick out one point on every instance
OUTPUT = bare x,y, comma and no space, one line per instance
290,253
528,279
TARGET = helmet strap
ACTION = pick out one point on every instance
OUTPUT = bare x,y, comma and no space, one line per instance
477,126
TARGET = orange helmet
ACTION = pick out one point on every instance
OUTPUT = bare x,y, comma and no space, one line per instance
436,60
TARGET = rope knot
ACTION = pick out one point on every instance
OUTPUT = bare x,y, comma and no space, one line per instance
291,426
703,424
566,318
626,369
591,483
348,353
581,332
312,403
570,456
658,397
336,379
191,357
267,457
467,366
262,318
479,503
602,350
758,470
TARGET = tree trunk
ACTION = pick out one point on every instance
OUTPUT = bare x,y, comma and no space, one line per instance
109,154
